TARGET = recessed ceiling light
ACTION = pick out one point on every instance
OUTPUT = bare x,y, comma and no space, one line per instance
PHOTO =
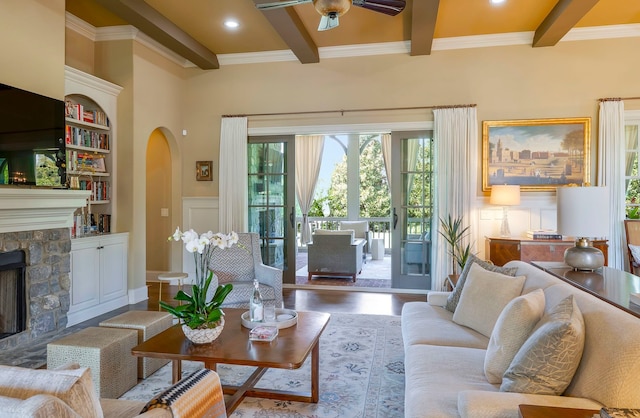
497,1
231,24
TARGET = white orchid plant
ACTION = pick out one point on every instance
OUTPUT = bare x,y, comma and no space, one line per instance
196,312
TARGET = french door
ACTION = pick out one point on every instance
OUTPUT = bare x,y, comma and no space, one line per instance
412,206
271,211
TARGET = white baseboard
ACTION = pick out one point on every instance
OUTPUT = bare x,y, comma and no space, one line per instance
138,295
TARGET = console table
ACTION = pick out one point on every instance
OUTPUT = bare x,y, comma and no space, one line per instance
614,286
502,250
538,411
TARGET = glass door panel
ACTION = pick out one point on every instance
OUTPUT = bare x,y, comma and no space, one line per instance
412,210
271,199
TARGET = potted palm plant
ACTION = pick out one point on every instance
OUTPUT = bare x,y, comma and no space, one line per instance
454,233
202,319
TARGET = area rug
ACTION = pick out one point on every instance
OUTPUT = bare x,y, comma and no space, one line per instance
361,374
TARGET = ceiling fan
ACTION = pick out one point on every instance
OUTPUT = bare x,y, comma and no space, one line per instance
332,9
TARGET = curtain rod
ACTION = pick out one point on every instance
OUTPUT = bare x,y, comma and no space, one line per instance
614,99
343,111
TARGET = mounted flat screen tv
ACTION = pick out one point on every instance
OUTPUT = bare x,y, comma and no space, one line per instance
32,147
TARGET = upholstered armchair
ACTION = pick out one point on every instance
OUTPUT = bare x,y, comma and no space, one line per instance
335,253
239,265
360,231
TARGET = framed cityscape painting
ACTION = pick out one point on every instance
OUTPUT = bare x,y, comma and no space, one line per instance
536,154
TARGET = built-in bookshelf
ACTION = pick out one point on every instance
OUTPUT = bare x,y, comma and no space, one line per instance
88,157
90,105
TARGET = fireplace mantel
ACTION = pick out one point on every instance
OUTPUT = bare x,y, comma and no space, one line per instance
33,209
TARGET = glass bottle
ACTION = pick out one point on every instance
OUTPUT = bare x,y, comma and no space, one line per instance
256,308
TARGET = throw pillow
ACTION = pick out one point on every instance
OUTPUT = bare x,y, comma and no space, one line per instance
192,396
513,327
483,298
454,297
635,253
547,361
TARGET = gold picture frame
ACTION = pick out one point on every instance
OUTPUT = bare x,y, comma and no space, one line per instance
536,154
203,170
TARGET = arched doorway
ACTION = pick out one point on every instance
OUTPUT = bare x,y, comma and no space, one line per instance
159,219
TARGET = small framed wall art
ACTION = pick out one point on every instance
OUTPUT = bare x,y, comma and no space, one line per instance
203,170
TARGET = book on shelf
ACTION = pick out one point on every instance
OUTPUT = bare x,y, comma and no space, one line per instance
543,234
619,413
263,333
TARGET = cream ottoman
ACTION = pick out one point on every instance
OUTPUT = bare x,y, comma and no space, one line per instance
106,351
148,324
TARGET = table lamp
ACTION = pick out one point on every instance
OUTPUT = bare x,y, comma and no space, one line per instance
505,195
583,213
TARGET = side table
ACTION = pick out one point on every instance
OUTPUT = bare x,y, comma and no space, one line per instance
538,411
377,249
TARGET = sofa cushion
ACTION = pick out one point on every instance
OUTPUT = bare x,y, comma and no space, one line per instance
547,361
513,327
349,232
435,375
483,298
73,386
454,297
426,324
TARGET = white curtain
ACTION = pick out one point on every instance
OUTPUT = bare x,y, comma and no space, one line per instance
611,150
456,142
233,175
385,141
308,160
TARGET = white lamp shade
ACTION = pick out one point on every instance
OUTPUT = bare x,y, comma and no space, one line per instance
583,211
505,195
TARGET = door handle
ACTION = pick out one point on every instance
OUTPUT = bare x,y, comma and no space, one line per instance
395,218
291,217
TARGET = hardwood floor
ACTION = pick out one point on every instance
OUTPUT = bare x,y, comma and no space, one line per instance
332,301
315,300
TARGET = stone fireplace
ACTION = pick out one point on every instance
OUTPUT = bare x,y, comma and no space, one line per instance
35,228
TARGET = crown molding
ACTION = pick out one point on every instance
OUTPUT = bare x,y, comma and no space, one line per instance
115,33
78,25
603,32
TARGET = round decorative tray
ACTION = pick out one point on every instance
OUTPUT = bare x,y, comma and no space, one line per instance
285,318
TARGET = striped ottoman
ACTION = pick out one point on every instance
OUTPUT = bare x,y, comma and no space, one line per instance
148,324
106,351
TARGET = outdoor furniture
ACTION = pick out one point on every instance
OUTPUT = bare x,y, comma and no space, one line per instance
335,253
418,253
148,324
239,265
106,351
361,231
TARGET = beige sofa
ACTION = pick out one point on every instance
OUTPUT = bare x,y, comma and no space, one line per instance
444,361
68,392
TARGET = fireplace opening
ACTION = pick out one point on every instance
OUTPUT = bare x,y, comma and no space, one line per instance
13,304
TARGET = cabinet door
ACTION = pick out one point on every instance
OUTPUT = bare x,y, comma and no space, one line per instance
113,266
85,275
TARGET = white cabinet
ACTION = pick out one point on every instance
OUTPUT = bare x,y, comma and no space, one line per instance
98,276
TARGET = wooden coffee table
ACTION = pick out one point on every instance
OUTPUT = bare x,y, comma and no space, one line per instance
288,351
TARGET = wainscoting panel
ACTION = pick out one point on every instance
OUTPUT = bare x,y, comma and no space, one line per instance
201,214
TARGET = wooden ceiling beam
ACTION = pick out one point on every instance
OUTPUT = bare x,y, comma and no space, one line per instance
560,20
290,28
423,26
149,21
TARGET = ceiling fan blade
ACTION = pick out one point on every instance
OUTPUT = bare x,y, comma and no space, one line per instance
328,22
280,4
388,7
